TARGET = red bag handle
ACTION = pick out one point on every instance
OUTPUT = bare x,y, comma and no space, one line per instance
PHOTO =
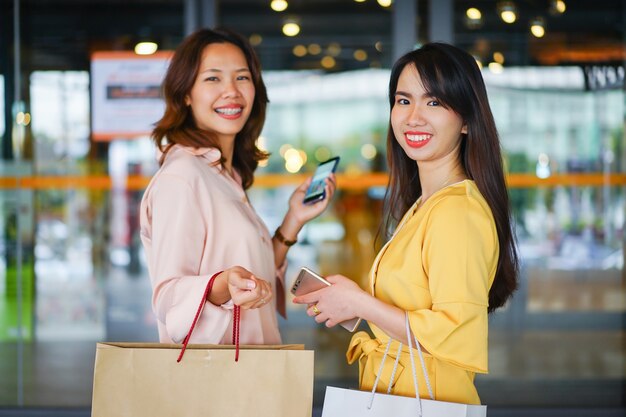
236,320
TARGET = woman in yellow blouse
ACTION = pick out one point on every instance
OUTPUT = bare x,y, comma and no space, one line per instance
452,257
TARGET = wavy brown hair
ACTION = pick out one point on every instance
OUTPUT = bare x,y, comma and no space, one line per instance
452,76
177,126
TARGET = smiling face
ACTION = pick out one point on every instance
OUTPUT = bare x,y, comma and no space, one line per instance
222,95
425,129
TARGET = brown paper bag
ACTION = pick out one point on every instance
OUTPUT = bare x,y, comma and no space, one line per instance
144,380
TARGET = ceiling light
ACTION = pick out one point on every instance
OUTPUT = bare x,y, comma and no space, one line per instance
291,28
473,18
538,27
314,49
328,62
255,39
385,3
333,49
359,1
299,50
507,11
279,5
360,55
508,16
146,48
557,6
473,13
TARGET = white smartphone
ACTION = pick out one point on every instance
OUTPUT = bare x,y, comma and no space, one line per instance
308,281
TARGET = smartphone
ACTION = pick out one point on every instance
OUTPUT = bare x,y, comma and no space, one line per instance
316,191
308,281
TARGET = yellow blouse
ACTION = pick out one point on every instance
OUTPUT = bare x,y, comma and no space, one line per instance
438,266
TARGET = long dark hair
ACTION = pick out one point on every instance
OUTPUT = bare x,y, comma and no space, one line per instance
453,77
177,124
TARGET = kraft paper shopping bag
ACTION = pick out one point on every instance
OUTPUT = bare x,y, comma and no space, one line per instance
153,380
144,380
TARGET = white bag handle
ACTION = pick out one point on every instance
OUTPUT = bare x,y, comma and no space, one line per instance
395,367
419,352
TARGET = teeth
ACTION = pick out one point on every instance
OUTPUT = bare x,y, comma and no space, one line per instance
417,138
229,111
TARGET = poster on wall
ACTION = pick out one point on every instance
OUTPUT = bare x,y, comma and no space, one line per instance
126,93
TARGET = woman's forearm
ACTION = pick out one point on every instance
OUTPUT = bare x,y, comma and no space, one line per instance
219,293
389,318
288,230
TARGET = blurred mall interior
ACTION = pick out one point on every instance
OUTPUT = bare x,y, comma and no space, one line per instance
74,165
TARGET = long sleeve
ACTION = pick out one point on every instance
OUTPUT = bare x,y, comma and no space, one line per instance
438,266
178,240
196,221
458,258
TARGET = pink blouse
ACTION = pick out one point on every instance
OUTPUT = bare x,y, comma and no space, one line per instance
195,221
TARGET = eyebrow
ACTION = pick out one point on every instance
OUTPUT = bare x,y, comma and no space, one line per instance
403,93
219,70
409,95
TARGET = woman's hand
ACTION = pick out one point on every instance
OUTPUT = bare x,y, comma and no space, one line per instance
246,290
301,213
336,303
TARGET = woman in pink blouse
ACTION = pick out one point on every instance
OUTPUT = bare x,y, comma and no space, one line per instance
196,219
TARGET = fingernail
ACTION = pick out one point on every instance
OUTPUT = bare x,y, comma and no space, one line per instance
251,285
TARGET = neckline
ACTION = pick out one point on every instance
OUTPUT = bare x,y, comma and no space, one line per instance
418,203
412,210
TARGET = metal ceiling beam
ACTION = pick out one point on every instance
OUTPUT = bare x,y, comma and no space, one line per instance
441,21
200,14
404,27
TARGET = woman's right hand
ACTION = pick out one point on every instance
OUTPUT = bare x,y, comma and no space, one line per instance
335,303
246,290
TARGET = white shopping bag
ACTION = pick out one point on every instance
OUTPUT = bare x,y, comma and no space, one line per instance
341,402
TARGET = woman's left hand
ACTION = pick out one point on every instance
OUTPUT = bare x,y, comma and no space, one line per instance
302,213
336,303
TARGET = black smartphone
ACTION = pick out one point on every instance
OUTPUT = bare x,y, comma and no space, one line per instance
308,281
316,191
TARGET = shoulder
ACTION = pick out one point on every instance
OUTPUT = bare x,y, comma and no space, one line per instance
459,199
461,218
460,204
182,164
181,173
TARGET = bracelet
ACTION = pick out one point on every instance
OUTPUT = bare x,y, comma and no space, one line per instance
282,239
